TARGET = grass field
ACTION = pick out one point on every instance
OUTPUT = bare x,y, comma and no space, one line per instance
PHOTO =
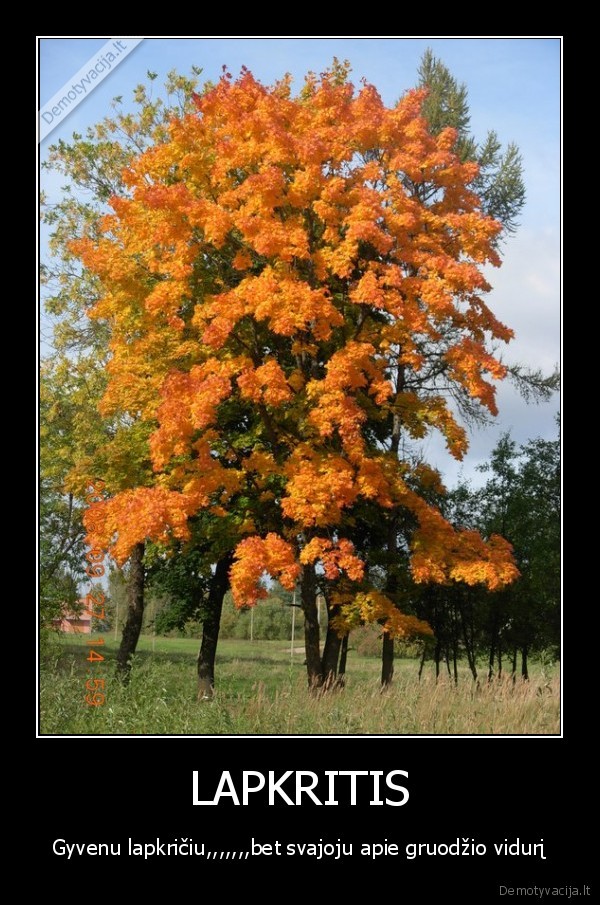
262,691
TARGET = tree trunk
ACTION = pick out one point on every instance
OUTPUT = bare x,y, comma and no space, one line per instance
331,650
211,624
391,586
343,660
135,612
469,639
491,659
524,669
469,648
499,656
514,663
454,641
308,594
387,660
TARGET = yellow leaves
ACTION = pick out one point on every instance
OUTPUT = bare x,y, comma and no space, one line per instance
489,564
319,487
373,606
469,361
213,219
261,463
296,380
373,483
307,186
335,409
253,557
167,297
348,368
442,553
210,480
269,237
289,305
418,414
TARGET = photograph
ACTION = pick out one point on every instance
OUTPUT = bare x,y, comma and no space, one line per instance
299,393
300,469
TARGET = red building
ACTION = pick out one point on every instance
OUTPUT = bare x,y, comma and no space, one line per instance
75,623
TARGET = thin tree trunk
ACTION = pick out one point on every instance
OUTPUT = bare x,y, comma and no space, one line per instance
513,671
308,594
524,669
211,624
447,658
343,660
491,658
391,586
331,650
135,612
437,656
454,643
469,647
387,660
499,655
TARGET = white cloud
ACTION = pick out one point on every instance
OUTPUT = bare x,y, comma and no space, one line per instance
526,297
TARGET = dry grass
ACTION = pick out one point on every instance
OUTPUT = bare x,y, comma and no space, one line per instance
261,693
409,707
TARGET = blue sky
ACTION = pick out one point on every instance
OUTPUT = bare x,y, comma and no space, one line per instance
514,88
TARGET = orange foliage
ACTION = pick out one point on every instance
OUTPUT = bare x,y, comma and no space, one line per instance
442,553
336,557
253,557
266,383
135,515
277,282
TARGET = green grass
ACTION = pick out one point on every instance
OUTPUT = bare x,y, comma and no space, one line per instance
260,690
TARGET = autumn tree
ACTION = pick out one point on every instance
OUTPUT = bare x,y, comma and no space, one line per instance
281,300
106,440
101,442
